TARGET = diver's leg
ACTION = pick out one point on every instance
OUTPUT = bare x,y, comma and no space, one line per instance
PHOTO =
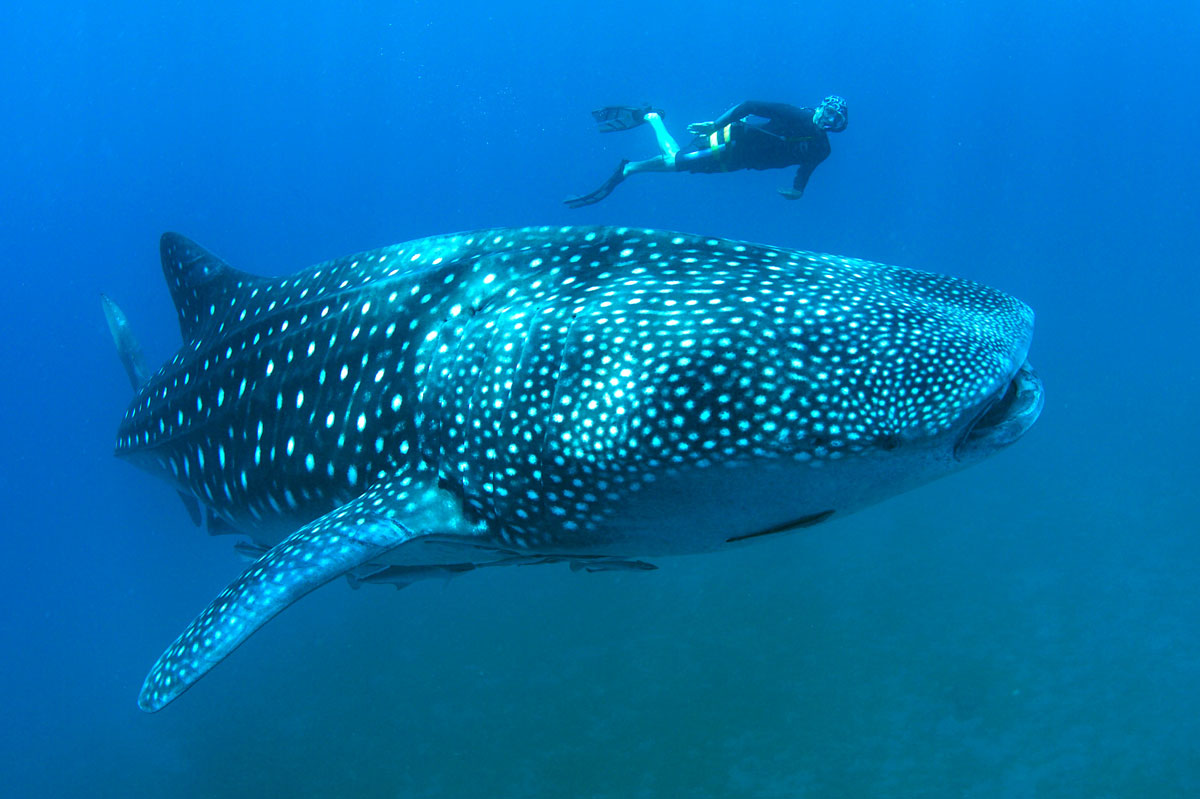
606,188
666,142
660,163
708,159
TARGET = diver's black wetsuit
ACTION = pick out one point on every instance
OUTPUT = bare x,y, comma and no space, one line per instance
786,136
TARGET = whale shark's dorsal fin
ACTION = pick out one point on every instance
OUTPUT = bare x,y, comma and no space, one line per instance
202,285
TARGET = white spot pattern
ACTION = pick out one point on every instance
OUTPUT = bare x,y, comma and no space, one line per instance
545,372
537,378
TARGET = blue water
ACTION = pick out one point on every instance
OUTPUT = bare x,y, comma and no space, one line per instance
1027,628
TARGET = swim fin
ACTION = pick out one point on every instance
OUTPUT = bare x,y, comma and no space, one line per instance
599,194
619,117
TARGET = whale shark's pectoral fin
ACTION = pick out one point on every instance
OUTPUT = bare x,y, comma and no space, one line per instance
381,519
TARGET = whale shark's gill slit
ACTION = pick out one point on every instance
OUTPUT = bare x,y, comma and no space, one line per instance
795,524
456,369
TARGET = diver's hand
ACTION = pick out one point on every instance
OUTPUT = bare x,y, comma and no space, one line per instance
791,194
701,128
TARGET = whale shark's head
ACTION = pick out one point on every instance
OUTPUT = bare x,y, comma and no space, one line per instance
939,365
793,387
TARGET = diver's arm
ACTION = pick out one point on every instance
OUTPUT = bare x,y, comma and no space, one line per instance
803,172
737,112
740,110
758,108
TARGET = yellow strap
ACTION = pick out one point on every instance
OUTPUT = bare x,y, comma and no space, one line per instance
719,138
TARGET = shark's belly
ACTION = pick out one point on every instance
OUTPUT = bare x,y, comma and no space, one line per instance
705,510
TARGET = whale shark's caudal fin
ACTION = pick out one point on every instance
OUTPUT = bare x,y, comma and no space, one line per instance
383,518
129,350
128,347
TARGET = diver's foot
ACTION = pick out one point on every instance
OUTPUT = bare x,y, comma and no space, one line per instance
599,194
615,118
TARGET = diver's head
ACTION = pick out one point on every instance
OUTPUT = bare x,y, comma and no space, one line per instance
831,114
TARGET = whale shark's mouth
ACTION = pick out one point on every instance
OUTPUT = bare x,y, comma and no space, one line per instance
1012,410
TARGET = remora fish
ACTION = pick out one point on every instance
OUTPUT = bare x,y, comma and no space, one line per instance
592,396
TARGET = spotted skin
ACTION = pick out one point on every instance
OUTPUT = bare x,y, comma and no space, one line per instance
389,513
595,395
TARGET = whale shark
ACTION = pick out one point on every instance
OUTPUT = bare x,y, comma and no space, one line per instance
595,396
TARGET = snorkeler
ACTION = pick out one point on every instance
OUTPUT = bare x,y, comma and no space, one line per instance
751,135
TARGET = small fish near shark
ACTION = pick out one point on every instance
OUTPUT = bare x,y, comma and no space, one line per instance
586,395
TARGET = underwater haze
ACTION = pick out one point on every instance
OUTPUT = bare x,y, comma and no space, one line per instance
1025,628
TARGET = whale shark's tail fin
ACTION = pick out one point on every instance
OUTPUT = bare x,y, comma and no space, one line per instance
129,349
